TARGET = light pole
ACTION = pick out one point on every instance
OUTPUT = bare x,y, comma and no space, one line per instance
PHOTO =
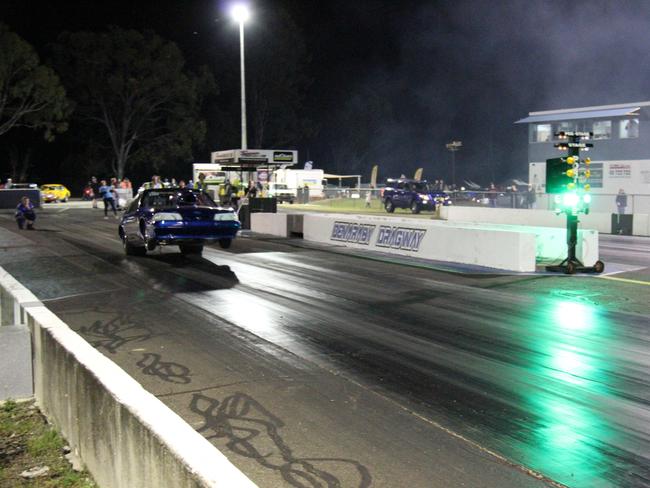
241,14
453,146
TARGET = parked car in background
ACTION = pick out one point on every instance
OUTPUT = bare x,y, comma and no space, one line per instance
54,192
185,218
412,194
282,192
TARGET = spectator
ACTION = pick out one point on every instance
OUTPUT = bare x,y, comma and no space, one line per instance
155,182
190,184
369,197
621,202
492,195
181,184
25,213
106,191
94,186
201,184
531,198
8,184
252,189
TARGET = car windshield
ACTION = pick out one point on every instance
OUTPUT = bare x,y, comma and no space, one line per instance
175,198
280,186
420,187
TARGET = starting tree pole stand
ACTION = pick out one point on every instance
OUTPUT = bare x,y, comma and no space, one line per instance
571,264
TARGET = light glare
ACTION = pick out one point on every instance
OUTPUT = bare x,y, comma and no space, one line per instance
240,13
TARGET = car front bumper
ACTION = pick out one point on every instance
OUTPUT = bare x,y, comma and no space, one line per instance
174,232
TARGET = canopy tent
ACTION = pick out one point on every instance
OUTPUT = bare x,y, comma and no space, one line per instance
342,177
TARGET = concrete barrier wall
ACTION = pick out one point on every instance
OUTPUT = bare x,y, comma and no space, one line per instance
270,223
514,216
509,247
434,240
641,225
124,435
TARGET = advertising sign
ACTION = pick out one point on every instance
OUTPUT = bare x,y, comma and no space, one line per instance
283,157
618,170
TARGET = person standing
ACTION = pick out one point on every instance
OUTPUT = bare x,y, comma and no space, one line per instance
94,186
25,214
621,202
531,198
492,195
106,191
200,183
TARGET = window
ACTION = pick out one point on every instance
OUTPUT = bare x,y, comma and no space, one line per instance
602,129
564,127
629,129
541,133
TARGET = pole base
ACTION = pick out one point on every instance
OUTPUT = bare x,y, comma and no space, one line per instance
573,266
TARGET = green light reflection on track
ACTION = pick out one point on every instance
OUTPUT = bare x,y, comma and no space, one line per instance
571,377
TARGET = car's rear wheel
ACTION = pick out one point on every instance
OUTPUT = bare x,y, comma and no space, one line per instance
225,243
416,207
131,250
389,206
191,249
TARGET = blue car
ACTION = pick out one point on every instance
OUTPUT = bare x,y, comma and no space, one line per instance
176,217
412,194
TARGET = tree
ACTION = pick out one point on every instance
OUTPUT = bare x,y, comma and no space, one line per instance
133,86
31,94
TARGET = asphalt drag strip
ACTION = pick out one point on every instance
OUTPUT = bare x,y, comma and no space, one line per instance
312,369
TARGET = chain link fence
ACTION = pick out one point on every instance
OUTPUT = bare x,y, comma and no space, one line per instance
372,199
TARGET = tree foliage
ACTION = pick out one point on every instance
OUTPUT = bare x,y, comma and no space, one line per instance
31,94
133,87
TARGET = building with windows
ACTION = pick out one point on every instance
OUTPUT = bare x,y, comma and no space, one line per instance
620,156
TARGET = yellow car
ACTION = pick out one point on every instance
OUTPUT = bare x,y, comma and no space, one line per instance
54,193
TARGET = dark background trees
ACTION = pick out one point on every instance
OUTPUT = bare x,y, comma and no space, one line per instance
132,95
449,70
32,98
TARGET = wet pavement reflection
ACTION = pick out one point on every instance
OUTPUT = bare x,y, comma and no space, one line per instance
557,384
552,381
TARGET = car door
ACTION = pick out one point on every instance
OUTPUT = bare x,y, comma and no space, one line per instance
130,222
398,195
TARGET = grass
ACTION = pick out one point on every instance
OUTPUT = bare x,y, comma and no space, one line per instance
28,441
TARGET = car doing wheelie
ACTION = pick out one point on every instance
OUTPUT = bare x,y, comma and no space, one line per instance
173,216
412,194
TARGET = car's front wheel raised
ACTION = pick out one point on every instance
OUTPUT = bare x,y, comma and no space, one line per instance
131,250
225,243
188,249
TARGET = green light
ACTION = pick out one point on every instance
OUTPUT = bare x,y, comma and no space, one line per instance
586,198
570,199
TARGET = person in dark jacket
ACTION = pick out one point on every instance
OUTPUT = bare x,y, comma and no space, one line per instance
621,201
25,214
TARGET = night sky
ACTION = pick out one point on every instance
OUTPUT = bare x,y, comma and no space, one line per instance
447,70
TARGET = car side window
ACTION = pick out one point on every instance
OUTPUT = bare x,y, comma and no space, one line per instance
133,206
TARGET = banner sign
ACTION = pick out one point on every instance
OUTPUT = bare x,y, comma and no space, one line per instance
620,171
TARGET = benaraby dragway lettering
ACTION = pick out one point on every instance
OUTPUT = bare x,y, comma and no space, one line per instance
403,238
400,238
351,232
